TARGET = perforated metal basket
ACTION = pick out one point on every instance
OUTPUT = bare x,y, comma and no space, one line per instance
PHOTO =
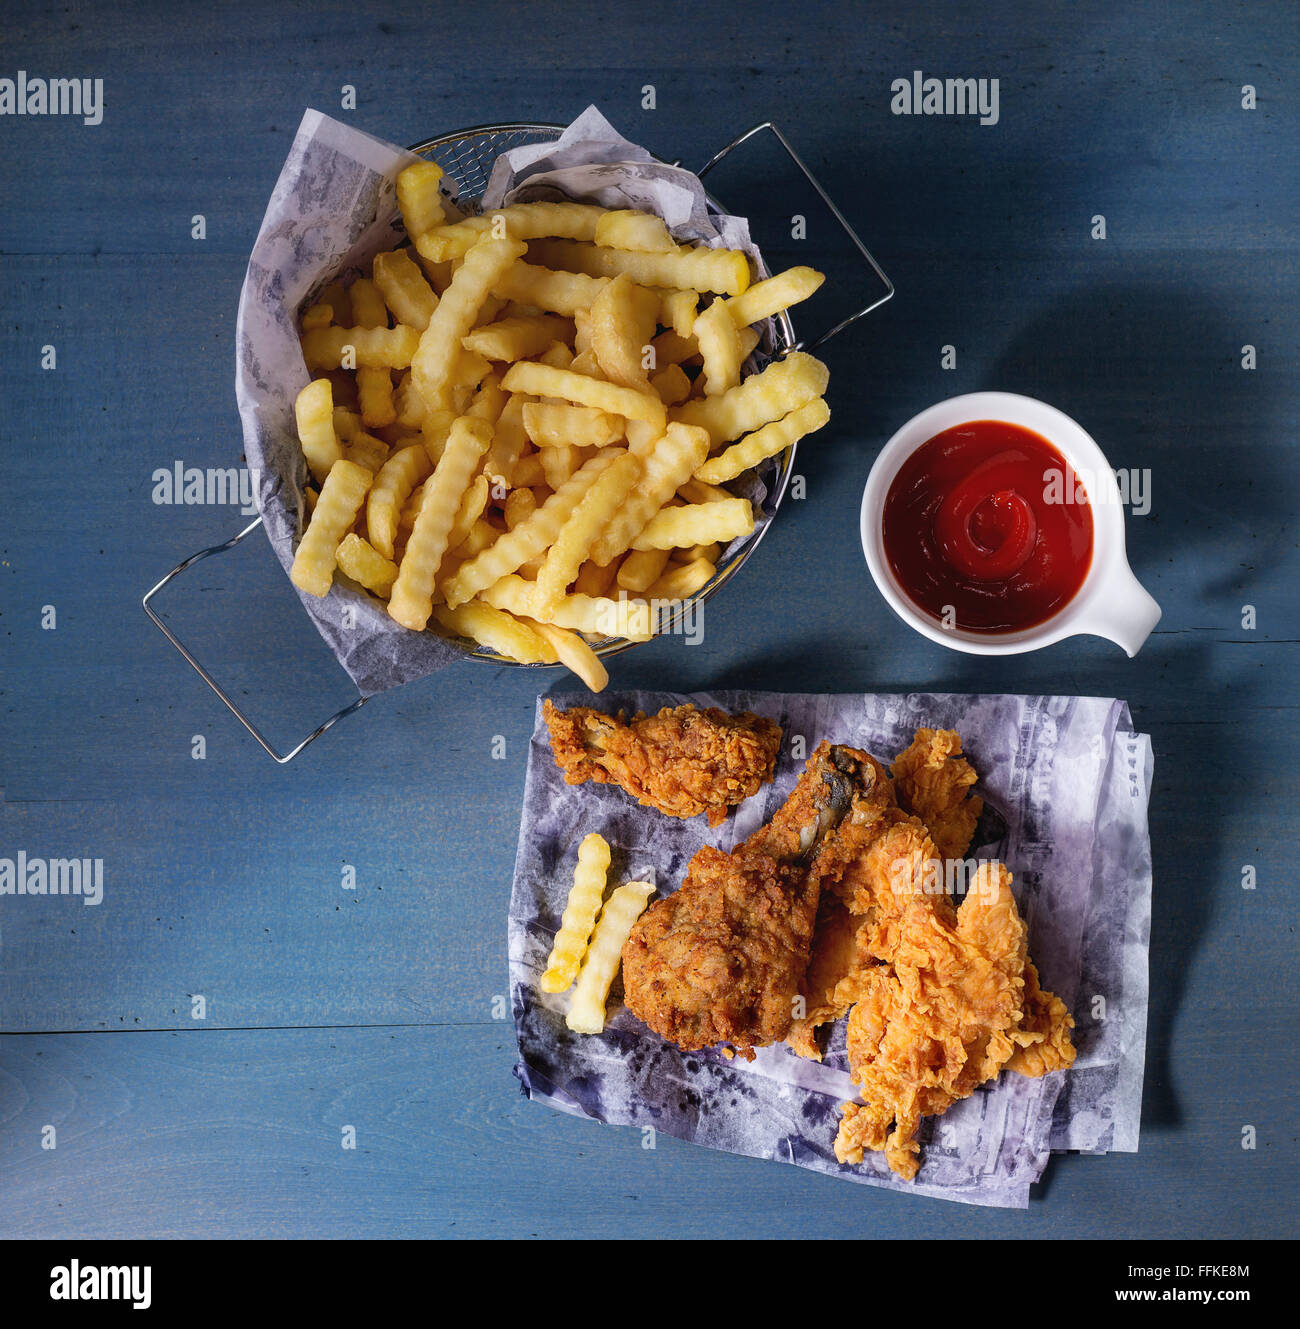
467,157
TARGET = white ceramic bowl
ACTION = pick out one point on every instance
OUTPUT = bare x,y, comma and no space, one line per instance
1111,602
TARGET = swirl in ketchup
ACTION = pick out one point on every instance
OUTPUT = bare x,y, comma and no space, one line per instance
990,519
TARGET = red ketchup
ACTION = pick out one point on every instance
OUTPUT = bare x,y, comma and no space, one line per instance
990,519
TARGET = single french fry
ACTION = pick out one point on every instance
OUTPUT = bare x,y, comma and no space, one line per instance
489,400
574,654
672,385
766,298
589,518
368,451
529,538
408,403
360,560
629,229
677,310
481,536
545,381
582,331
527,472
557,355
682,581
579,916
587,1009
641,568
520,221
766,442
697,491
412,598
397,477
719,344
512,339
558,425
436,358
593,580
602,616
386,348
520,505
434,432
697,523
347,424
760,399
418,198
505,634
622,323
404,288
669,463
374,383
560,463
472,506
340,500
559,292
725,271
318,315
674,348
314,412
508,443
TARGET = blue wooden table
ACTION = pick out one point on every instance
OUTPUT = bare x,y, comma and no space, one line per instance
326,1007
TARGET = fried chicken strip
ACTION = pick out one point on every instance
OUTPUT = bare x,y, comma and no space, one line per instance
722,959
683,760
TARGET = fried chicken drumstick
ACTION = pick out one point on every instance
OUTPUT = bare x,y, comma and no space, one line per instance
722,959
683,760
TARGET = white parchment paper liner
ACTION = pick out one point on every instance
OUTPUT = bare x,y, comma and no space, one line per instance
333,208
1066,781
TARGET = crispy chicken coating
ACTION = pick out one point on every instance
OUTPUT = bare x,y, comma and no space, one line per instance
933,781
722,959
683,760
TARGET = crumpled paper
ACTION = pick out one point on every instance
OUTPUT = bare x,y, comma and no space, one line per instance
1066,783
333,208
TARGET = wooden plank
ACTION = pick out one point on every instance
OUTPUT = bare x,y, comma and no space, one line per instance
241,1135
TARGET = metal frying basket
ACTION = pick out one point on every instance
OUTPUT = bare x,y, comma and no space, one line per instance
467,157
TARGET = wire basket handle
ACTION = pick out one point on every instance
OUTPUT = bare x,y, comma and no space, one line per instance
282,758
839,216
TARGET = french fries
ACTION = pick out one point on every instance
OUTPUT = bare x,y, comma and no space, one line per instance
341,496
314,412
418,198
765,442
435,361
533,455
412,599
579,916
633,230
725,271
586,1013
760,399
696,523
